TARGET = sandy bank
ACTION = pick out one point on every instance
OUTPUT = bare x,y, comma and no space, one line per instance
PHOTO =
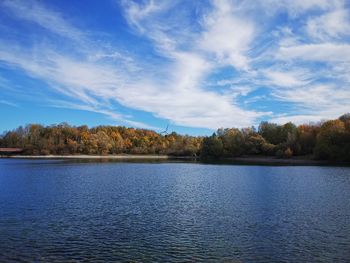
276,161
91,156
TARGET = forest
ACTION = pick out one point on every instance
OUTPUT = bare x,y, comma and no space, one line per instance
327,140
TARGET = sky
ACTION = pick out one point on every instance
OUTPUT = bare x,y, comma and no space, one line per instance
193,65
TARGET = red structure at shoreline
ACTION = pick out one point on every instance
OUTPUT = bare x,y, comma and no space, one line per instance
9,151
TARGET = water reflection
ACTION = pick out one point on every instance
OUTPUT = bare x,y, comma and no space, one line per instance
172,212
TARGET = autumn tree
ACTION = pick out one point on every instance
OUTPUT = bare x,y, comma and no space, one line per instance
333,141
232,141
329,140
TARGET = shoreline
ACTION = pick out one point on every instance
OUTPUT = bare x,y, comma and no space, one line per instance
243,160
263,160
82,156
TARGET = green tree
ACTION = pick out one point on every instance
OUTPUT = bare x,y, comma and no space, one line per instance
212,147
333,141
232,141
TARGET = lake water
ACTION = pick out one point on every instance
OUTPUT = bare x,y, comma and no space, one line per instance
54,210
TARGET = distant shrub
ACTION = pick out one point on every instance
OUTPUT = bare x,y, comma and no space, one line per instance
288,153
284,153
44,152
279,153
268,149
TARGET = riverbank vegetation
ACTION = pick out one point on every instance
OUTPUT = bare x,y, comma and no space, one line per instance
64,139
328,140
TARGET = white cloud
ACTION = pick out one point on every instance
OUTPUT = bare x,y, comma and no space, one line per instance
111,114
315,103
311,116
298,119
177,95
315,96
325,52
48,19
184,99
94,75
294,8
227,35
334,24
298,6
9,103
286,78
136,13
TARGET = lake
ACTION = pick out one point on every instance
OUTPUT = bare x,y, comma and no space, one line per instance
66,210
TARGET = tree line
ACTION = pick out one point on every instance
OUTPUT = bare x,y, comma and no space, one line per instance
328,140
64,139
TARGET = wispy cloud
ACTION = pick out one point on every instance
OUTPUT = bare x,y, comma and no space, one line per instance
324,52
177,96
333,24
227,35
108,112
207,70
186,100
78,76
286,78
48,19
9,103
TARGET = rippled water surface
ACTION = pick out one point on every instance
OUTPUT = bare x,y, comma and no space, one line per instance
172,212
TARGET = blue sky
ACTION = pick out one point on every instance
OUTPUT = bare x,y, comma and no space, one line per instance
195,65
